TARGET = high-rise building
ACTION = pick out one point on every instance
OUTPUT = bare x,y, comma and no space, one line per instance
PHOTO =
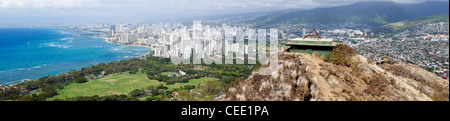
123,38
303,32
197,29
112,27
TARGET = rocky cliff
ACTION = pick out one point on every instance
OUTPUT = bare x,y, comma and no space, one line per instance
304,77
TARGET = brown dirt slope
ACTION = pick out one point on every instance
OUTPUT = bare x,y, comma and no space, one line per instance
304,77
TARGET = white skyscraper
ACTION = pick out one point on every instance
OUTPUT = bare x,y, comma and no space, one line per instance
197,29
304,32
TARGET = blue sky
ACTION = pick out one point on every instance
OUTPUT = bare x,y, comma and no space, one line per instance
70,11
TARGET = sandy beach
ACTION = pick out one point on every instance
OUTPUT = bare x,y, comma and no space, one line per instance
146,46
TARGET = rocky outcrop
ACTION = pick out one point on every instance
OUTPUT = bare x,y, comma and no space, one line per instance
304,77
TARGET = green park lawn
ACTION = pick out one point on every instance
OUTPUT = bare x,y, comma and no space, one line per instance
116,84
191,82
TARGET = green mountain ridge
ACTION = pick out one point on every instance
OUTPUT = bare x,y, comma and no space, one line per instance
370,13
373,14
397,27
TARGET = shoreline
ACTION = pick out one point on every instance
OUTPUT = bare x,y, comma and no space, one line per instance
106,40
12,83
146,46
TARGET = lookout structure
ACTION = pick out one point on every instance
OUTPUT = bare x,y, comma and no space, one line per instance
311,43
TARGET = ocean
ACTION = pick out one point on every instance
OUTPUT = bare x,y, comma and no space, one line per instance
30,53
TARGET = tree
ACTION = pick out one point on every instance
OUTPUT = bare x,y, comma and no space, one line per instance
227,79
137,93
80,79
162,87
26,98
47,92
133,71
150,98
212,87
170,82
14,96
158,98
131,98
188,87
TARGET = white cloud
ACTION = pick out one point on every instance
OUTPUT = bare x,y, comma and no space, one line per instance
44,4
179,4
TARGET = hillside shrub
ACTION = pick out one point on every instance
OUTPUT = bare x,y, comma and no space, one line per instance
341,55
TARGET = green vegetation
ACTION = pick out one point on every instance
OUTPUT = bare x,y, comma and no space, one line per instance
125,80
369,13
159,68
397,27
51,83
194,82
137,92
209,88
206,91
80,79
166,73
133,71
116,84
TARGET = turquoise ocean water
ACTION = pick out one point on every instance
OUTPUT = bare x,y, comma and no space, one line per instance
30,53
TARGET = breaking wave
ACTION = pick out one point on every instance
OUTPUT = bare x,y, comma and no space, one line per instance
57,45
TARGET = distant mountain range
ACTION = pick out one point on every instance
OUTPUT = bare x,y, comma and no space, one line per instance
396,27
374,14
